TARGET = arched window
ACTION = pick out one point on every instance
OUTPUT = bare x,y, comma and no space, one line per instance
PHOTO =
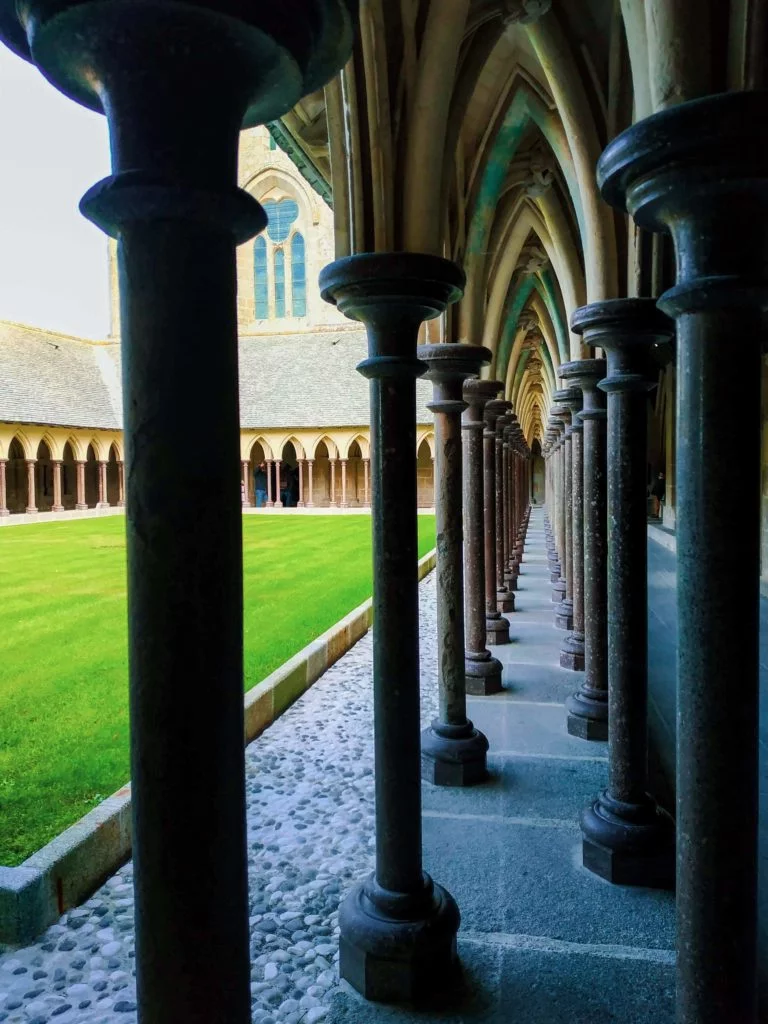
298,276
281,254
279,283
261,278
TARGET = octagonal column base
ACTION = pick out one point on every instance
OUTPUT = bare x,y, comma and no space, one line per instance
558,590
453,755
505,600
587,716
572,652
510,580
482,675
564,614
397,947
629,844
497,630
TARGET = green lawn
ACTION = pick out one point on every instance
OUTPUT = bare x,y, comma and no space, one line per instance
63,673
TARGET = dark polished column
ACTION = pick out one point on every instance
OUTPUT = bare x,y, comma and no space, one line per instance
558,413
178,82
588,707
564,610
510,564
496,626
453,752
551,503
572,650
483,671
698,171
627,838
398,928
505,598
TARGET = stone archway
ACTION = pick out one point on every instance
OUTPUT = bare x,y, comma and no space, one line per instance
289,475
322,475
68,478
257,464
16,478
113,477
44,478
355,483
425,477
91,478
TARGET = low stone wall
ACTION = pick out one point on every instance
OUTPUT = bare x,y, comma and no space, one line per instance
74,864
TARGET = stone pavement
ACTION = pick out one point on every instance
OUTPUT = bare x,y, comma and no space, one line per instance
542,940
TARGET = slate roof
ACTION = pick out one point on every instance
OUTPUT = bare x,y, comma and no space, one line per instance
301,380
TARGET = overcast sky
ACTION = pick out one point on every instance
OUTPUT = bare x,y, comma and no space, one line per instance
53,262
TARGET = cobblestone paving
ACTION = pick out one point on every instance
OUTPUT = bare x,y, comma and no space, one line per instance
310,836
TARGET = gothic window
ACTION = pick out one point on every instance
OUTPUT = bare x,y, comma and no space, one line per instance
299,276
260,276
280,255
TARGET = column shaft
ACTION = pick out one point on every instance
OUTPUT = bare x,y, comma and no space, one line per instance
3,489
31,498
57,505
344,483
496,626
81,503
311,465
301,483
278,489
333,482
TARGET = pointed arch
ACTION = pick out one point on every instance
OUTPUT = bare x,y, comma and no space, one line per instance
362,443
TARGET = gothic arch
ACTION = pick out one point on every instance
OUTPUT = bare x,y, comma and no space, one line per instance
363,444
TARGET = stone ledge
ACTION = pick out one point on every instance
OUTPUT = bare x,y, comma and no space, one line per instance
72,866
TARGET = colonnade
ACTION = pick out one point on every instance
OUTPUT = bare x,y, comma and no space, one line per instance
56,468
307,482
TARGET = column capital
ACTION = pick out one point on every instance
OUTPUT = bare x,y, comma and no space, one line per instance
449,365
493,410
477,394
392,293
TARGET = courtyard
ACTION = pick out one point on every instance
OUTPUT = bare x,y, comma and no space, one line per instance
64,681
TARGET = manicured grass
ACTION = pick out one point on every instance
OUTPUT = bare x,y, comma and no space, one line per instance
63,672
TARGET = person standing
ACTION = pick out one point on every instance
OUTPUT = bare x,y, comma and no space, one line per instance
658,489
260,485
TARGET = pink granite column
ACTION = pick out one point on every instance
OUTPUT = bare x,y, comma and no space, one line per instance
3,489
102,502
270,498
120,484
31,507
81,504
333,483
246,465
366,492
278,497
344,501
300,503
311,466
57,505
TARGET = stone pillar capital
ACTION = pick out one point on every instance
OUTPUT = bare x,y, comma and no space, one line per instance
449,365
477,394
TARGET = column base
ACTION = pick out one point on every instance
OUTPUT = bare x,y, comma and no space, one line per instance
497,631
510,579
270,504
564,614
558,590
5,512
300,504
572,652
54,508
482,675
105,504
629,844
277,504
587,716
30,510
121,504
396,947
81,508
453,755
505,600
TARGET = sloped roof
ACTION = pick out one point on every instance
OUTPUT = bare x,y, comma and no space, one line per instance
301,380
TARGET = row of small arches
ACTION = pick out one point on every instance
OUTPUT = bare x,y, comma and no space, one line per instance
17,487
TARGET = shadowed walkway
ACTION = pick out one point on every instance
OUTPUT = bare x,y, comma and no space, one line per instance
542,940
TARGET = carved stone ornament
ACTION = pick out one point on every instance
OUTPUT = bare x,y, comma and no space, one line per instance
532,259
523,12
541,172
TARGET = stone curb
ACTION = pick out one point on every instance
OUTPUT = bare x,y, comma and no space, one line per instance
73,865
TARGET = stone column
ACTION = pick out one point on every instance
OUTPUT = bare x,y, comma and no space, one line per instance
300,502
3,489
510,563
366,489
558,588
627,838
588,708
310,467
246,467
398,928
31,506
120,484
270,496
178,82
333,502
572,650
102,485
278,503
564,610
453,752
57,504
344,502
696,171
483,672
81,505
505,598
496,626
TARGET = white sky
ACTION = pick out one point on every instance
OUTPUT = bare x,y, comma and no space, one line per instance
53,262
